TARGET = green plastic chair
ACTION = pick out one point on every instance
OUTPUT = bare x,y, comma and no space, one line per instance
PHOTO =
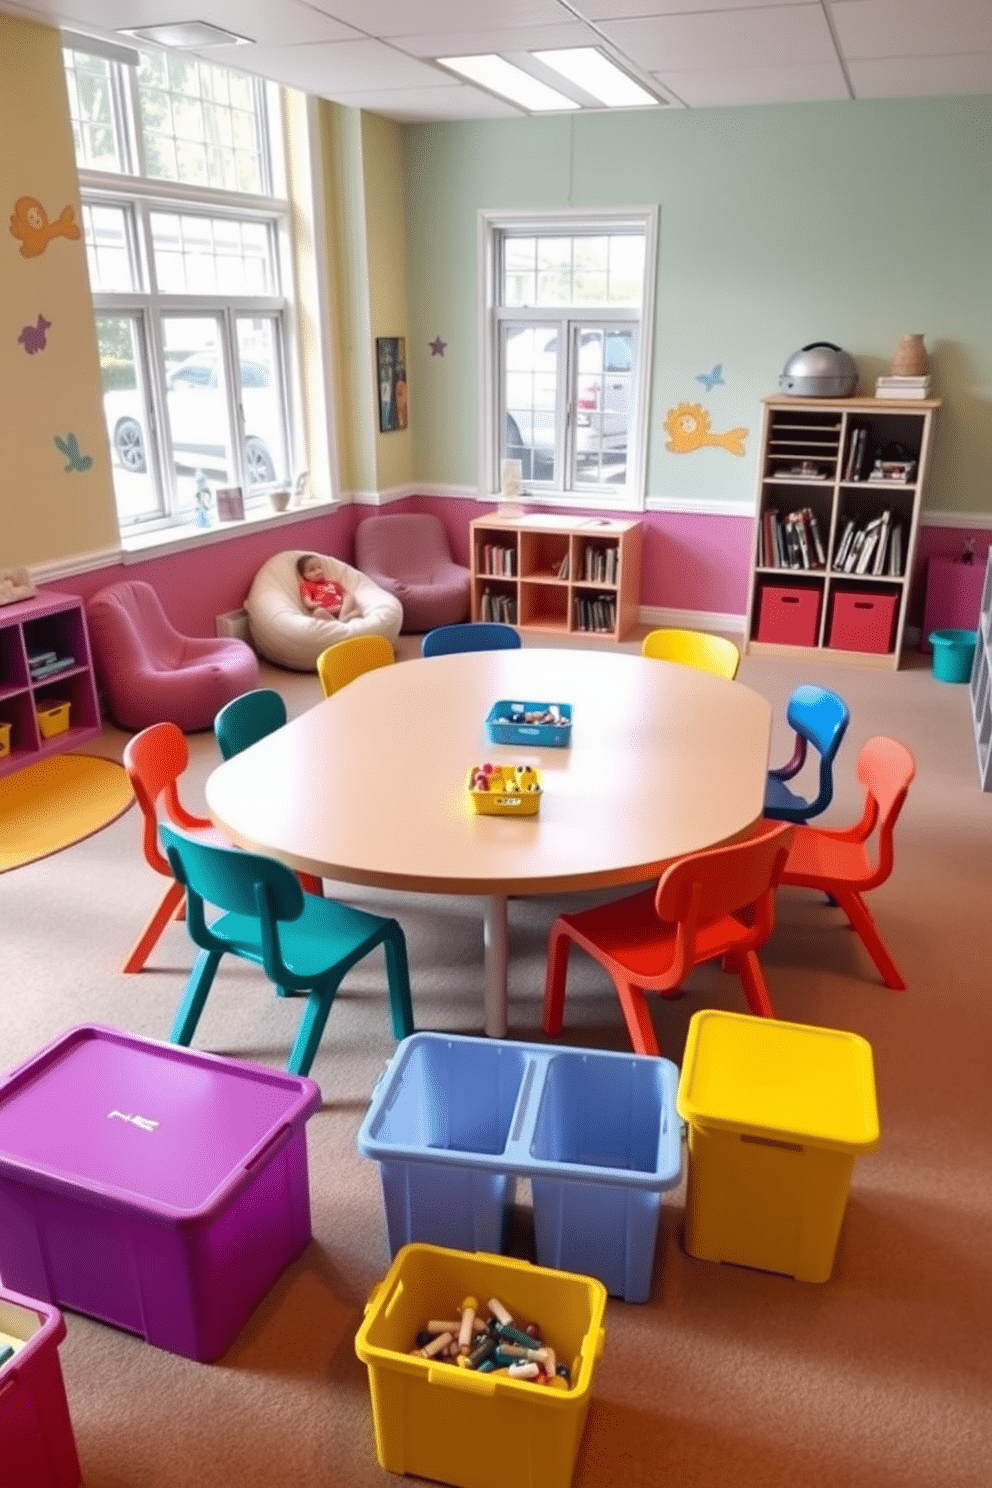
248,718
306,945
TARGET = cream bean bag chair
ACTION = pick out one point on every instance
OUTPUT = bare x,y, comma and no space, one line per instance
282,630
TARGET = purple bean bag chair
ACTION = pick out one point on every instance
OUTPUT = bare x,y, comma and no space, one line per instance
408,555
153,674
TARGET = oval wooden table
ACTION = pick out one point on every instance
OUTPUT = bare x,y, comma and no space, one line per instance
368,786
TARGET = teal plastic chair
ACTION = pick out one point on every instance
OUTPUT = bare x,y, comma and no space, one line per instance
820,718
484,635
248,718
306,945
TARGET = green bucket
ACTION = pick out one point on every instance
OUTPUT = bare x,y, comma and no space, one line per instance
953,654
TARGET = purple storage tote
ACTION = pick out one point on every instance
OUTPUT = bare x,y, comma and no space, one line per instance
37,1447
151,1186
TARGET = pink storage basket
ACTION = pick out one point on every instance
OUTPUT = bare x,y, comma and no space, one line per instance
37,1447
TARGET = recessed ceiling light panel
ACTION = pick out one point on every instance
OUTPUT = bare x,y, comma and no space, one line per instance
501,77
188,35
592,71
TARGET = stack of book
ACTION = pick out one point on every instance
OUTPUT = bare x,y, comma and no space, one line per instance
600,565
499,607
791,540
596,612
43,664
871,546
889,386
497,560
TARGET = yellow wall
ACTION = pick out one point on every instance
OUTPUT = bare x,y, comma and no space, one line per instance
46,511
385,225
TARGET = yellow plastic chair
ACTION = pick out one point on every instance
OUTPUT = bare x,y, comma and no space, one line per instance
346,660
708,653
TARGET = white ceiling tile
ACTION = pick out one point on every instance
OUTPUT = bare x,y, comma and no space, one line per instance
259,20
818,81
607,10
394,17
422,105
521,39
915,77
913,28
769,37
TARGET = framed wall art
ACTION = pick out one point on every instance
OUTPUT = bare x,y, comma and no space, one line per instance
390,359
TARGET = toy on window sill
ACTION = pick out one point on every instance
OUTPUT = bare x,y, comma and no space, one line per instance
204,500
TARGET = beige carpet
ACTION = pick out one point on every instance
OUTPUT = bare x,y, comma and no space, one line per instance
727,1378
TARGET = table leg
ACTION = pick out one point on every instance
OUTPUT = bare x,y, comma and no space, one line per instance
494,938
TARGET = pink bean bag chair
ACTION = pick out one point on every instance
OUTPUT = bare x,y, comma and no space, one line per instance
408,554
153,674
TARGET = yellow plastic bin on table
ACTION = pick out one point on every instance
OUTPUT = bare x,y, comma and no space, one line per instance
776,1114
436,1420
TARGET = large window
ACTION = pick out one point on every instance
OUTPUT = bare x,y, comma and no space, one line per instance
186,246
567,318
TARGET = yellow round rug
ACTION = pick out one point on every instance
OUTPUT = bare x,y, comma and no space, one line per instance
56,802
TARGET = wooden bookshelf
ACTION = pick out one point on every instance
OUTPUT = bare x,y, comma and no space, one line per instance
557,575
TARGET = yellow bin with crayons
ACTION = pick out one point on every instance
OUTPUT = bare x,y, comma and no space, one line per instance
436,1420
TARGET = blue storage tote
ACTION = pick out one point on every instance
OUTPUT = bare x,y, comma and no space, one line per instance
506,723
454,1121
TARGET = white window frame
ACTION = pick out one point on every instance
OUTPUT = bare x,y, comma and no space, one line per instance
492,226
139,195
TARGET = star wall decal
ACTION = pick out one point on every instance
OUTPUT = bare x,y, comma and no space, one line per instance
437,346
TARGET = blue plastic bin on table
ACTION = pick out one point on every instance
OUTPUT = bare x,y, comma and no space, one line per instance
455,1121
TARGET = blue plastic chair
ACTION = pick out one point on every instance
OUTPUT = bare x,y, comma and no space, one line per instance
248,718
820,718
305,945
484,635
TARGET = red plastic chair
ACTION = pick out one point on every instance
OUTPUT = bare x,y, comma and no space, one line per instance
154,761
840,862
717,904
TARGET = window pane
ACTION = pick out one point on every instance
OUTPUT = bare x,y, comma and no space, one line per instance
604,360
107,232
626,274
125,407
519,271
188,105
199,434
212,255
262,400
530,397
95,126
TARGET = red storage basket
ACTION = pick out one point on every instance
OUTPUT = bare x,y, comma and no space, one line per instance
863,622
789,615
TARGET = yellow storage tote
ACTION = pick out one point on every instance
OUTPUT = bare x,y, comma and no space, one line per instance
776,1114
456,1425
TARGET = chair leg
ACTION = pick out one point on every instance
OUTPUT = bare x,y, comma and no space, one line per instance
559,944
311,885
311,1028
199,984
173,903
398,976
856,910
637,1016
748,968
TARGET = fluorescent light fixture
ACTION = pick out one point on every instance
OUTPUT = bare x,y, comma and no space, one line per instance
188,34
510,82
595,74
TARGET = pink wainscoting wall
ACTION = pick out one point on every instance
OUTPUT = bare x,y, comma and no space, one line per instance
690,561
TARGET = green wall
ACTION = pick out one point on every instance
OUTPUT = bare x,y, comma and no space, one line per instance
847,222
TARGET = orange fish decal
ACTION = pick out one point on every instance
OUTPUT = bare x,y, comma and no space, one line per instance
29,222
688,429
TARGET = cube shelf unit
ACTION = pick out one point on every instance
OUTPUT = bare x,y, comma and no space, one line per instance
49,622
981,682
559,575
816,457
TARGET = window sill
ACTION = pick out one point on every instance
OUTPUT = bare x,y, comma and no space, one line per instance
572,500
176,539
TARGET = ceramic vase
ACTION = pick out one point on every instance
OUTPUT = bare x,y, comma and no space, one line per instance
910,357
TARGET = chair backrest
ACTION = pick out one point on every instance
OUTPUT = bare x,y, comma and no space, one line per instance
407,545
723,881
128,626
482,636
248,718
154,761
818,717
241,883
346,660
707,653
886,769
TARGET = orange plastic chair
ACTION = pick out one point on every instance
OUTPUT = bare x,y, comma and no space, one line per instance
154,761
840,861
716,904
345,660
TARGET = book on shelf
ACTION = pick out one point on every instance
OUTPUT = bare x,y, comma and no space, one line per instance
857,449
878,567
499,607
843,546
871,546
790,540
51,668
563,568
891,386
